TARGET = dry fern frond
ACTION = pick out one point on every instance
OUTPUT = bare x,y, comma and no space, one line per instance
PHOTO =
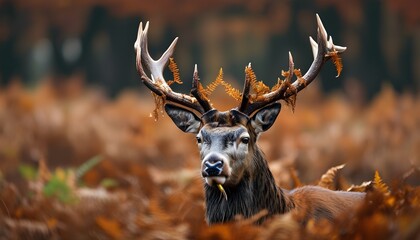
159,102
360,188
203,91
258,87
110,226
337,62
297,73
175,72
379,185
285,73
277,86
295,178
327,180
231,91
251,75
212,86
291,101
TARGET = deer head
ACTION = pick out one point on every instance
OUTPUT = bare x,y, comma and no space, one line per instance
227,140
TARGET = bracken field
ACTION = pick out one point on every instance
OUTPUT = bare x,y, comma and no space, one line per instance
76,165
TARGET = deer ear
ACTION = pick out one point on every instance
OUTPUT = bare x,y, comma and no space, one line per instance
265,117
185,120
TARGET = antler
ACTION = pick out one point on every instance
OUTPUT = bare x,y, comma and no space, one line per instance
156,82
322,50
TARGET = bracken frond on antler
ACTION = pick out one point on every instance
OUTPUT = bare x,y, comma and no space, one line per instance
337,62
258,87
159,102
231,91
212,86
175,72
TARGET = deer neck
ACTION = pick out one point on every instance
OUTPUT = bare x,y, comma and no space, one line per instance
257,191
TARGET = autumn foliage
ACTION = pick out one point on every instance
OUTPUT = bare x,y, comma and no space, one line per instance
76,165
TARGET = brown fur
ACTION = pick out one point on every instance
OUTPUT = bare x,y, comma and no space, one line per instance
313,202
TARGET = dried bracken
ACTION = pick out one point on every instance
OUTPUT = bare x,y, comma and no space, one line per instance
327,180
175,72
379,185
145,186
337,62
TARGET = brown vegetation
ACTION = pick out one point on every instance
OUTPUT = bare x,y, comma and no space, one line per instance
75,165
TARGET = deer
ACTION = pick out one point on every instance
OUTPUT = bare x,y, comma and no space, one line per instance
236,176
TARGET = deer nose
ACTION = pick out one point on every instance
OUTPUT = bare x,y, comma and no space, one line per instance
212,167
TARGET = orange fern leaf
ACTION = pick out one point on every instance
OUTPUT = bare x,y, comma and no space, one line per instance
175,72
291,101
297,73
327,180
159,102
278,84
360,188
231,91
258,87
379,185
110,226
337,62
201,90
212,86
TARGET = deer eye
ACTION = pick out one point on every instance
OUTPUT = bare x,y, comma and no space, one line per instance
245,140
198,140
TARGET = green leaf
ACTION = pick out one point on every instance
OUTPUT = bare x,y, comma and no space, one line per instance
109,183
28,172
57,187
88,165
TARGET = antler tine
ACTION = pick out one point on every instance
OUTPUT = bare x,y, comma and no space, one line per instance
156,82
322,50
195,91
248,108
245,91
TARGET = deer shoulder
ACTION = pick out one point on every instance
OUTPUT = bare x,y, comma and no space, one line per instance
314,202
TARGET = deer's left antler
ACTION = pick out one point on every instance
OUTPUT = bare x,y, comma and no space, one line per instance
323,50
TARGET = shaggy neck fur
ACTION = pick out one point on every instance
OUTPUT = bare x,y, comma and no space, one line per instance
255,192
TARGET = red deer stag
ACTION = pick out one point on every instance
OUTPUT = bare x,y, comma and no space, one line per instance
237,178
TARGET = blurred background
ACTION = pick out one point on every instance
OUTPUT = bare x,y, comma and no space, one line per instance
93,40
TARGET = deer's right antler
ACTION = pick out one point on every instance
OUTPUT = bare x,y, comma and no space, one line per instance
156,82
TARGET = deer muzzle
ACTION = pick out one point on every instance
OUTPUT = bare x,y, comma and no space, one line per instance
214,169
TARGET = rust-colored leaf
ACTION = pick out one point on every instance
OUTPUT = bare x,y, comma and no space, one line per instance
159,103
379,185
360,188
231,91
337,62
175,72
327,180
298,73
212,86
110,227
